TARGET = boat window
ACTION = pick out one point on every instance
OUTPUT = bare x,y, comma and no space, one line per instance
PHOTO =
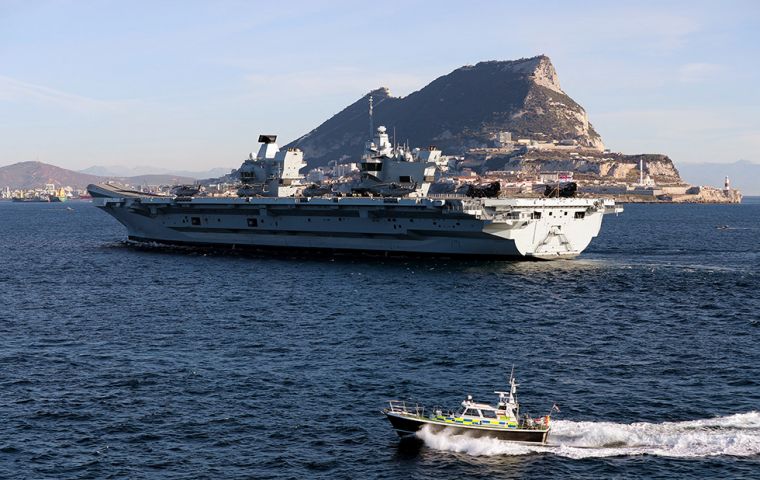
488,413
472,412
195,220
580,214
254,222
405,179
535,215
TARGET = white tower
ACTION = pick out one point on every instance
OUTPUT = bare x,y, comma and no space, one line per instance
727,184
641,172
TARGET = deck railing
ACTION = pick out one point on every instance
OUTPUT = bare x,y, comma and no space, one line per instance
400,406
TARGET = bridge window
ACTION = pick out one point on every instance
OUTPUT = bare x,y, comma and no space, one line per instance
472,412
372,167
489,413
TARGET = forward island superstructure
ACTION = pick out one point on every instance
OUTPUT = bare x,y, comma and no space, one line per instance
388,212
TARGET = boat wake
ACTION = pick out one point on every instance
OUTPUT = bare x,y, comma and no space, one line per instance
734,435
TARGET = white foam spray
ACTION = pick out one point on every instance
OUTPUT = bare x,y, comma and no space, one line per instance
734,435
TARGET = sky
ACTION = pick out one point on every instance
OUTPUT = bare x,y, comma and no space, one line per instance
190,85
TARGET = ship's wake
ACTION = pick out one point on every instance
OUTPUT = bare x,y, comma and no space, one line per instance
735,435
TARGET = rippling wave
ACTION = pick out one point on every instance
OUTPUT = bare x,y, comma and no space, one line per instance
146,362
734,435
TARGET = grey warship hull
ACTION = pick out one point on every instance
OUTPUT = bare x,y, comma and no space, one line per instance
546,228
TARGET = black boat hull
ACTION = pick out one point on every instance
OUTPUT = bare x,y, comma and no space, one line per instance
406,427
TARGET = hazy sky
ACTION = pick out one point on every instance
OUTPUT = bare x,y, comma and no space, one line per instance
191,84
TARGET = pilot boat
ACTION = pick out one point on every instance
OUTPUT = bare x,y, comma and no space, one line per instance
474,419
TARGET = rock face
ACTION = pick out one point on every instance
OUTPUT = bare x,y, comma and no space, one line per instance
709,195
607,166
464,109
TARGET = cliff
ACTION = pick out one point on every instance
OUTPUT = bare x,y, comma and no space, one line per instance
462,110
591,165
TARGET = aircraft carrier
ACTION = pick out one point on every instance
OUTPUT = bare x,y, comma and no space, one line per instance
394,215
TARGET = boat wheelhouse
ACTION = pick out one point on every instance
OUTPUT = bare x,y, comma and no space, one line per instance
502,421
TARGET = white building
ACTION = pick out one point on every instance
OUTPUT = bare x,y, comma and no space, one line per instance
315,175
504,139
345,169
555,177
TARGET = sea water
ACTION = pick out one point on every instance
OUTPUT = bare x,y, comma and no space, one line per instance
118,361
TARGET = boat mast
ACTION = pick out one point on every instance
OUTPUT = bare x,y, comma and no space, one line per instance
513,391
371,129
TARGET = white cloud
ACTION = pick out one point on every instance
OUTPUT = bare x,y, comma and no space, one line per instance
13,90
686,134
713,123
616,30
331,81
698,72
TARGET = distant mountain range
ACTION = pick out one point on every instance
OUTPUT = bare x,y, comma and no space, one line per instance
124,171
743,175
461,110
28,175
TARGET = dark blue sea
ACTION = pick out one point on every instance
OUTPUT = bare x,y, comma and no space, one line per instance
124,362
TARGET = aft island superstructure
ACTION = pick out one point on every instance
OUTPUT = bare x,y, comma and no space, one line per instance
393,217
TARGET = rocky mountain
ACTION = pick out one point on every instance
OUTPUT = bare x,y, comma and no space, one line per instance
464,109
28,175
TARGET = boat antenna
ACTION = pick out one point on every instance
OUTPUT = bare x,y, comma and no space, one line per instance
370,118
512,385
